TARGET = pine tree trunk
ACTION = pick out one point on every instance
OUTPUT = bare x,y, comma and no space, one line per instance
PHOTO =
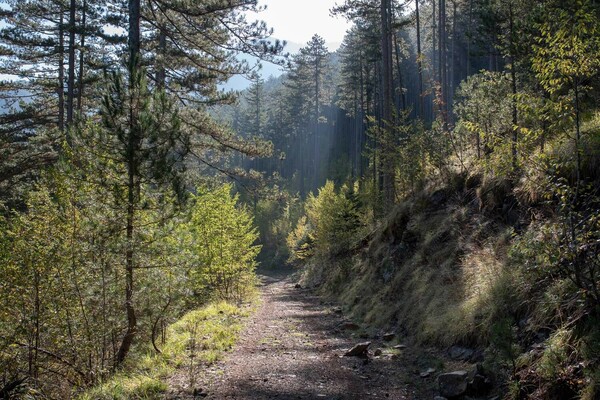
433,55
513,78
132,182
81,57
419,60
402,102
577,138
316,121
433,38
61,73
386,83
129,261
33,350
442,73
469,39
161,73
361,119
441,48
258,127
71,72
134,34
452,78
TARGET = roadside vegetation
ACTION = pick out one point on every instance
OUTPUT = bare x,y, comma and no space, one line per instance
194,342
502,264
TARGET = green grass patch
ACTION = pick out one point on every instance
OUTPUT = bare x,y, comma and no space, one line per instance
199,338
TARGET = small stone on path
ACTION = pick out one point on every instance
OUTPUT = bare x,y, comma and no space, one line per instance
358,350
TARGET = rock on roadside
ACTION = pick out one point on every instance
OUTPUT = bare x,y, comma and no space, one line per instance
453,384
358,350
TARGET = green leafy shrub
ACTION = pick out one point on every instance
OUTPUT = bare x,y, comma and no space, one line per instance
331,222
300,241
219,240
275,216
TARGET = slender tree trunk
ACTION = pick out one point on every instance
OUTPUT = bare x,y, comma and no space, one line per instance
513,78
376,138
61,72
129,266
433,54
132,181
577,138
386,83
316,120
402,102
452,78
82,57
68,317
353,151
74,262
361,118
469,39
419,61
441,46
433,38
442,73
258,99
478,139
161,73
71,72
370,99
105,347
33,363
157,325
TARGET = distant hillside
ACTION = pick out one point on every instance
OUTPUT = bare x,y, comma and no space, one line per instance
20,94
239,83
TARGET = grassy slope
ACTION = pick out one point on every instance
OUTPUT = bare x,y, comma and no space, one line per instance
463,264
430,268
200,337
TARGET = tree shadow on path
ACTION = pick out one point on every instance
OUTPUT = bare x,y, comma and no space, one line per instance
293,347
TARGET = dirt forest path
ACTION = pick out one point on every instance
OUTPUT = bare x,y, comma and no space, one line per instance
292,348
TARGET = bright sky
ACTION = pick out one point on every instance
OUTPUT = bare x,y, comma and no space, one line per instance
298,20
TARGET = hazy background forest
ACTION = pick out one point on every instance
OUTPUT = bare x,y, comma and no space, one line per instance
439,172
